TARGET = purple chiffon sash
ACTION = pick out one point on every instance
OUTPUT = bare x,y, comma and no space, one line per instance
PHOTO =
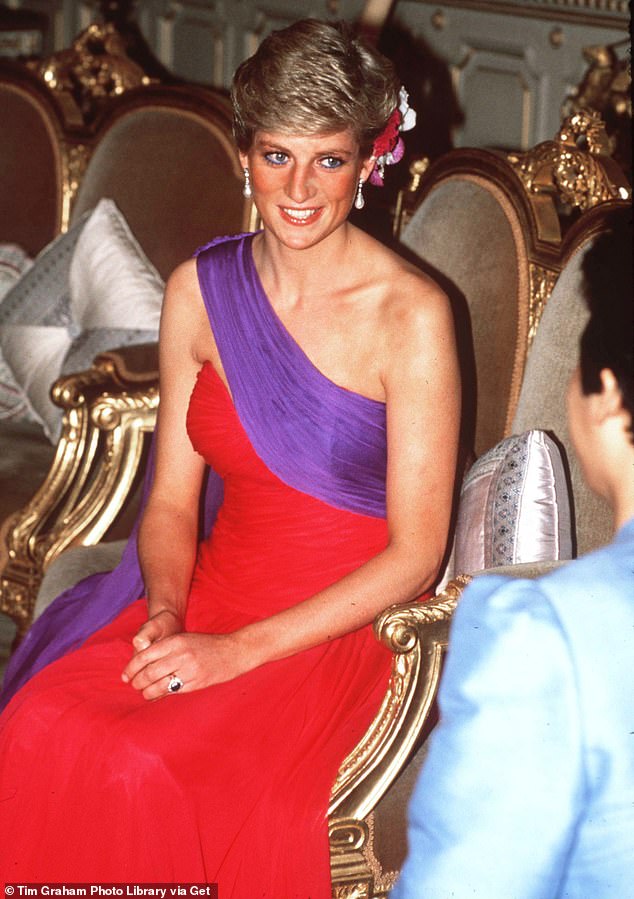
314,435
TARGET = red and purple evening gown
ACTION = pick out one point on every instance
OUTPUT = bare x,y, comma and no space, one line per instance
229,784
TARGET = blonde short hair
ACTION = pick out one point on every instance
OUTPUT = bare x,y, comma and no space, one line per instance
313,77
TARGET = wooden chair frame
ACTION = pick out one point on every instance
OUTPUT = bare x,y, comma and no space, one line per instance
62,123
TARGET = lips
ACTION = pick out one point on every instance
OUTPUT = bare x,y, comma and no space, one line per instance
300,217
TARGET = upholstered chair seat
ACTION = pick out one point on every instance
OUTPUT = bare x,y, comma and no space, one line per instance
136,192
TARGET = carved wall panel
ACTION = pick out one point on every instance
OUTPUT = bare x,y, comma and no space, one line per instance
503,87
190,40
512,64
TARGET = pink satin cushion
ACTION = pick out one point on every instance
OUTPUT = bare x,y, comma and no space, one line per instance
514,506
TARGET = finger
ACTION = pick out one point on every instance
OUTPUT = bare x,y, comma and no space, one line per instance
146,635
160,689
169,651
139,661
141,641
152,674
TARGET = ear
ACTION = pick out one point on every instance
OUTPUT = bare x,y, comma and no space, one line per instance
366,167
244,159
609,401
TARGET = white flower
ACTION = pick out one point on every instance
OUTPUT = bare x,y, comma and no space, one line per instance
408,115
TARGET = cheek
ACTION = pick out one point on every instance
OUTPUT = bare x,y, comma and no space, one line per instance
265,178
574,396
572,411
343,187
579,423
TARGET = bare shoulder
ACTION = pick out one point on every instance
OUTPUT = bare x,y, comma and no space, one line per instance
184,321
183,280
182,293
412,304
420,347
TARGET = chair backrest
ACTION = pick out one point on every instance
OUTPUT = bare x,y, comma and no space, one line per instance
493,248
166,156
34,157
552,358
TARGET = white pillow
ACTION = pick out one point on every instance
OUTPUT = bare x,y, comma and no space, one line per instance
33,352
105,294
112,282
514,506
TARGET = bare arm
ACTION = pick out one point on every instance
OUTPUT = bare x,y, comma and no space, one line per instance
168,533
423,405
423,410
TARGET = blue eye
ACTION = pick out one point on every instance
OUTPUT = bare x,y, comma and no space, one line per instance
276,158
331,162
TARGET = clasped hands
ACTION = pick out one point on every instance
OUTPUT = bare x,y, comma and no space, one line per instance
162,649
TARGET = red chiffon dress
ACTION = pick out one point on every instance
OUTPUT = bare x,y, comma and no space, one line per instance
229,784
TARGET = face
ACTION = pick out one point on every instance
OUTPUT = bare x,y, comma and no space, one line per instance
304,186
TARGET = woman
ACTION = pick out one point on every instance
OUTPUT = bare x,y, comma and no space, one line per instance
315,372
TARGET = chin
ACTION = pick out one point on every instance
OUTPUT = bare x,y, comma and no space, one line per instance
300,238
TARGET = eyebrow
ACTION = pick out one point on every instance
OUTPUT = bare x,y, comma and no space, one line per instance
273,145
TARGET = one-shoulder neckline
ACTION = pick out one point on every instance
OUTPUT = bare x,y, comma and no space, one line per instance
269,309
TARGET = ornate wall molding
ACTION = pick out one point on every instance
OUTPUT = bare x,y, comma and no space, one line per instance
601,13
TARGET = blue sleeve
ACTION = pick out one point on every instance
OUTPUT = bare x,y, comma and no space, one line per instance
493,813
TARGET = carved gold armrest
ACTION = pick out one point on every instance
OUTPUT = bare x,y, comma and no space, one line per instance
108,410
417,635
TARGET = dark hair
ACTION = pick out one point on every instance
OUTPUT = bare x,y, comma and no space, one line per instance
314,77
608,339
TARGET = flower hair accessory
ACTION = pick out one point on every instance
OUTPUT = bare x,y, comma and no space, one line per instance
388,148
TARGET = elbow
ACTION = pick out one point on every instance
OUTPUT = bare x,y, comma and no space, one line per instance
420,566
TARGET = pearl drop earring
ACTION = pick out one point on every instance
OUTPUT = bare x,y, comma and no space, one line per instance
359,202
247,193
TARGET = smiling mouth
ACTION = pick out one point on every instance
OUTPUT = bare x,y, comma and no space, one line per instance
300,216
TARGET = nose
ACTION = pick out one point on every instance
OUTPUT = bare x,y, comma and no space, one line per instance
300,185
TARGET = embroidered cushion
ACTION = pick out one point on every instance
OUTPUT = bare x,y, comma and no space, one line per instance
514,506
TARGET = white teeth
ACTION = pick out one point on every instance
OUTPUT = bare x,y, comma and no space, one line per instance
299,214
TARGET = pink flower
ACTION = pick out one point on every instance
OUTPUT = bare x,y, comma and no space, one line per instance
387,139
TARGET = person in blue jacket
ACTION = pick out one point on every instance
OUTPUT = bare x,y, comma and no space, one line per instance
528,788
